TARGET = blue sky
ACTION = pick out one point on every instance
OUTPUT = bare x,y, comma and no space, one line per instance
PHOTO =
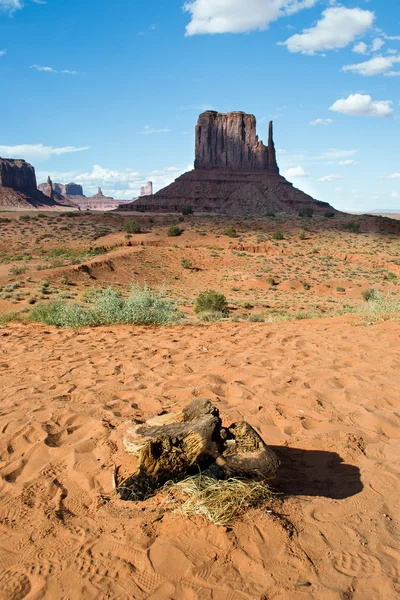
108,94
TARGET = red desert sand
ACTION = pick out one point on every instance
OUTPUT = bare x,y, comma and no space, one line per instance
323,394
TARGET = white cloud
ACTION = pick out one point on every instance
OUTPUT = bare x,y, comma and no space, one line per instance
149,131
377,44
335,154
295,172
37,152
395,195
330,178
345,163
360,48
338,27
379,65
393,176
391,37
237,16
51,70
321,122
3,52
10,6
362,105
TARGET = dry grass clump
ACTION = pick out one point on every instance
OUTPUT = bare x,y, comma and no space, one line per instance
382,308
218,501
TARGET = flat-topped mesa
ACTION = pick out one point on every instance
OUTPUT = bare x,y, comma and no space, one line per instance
18,175
229,141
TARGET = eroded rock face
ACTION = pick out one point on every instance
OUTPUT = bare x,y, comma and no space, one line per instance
230,141
18,175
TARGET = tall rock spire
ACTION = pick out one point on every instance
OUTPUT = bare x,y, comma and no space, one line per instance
230,141
272,163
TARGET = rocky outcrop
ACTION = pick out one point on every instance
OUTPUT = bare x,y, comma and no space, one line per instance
229,141
147,190
18,188
235,173
67,190
18,175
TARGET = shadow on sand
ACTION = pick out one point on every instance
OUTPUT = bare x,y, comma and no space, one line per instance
316,473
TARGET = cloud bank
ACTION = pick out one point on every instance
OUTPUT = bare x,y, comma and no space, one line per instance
237,16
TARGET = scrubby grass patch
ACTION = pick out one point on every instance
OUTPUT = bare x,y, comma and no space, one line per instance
10,317
143,306
381,308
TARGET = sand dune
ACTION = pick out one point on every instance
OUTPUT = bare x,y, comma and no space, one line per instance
324,394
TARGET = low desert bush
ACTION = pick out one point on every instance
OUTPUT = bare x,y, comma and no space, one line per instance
278,235
329,214
143,306
302,235
16,270
132,226
187,210
186,264
307,212
370,294
382,308
211,301
352,226
174,231
230,232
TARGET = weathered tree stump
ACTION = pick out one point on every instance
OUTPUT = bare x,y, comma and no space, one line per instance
175,445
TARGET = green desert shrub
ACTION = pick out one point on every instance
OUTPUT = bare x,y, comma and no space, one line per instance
370,294
302,235
174,231
230,232
329,214
278,235
306,212
132,226
352,226
382,308
211,301
186,264
143,306
187,210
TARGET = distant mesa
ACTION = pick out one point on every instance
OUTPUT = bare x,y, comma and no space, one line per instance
235,173
72,194
18,188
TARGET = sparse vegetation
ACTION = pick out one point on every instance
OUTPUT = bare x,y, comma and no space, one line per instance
352,226
278,235
307,212
174,231
144,306
329,214
132,226
211,301
186,264
187,210
230,231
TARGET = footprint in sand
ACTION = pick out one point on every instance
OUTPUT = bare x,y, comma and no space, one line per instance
357,564
14,585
